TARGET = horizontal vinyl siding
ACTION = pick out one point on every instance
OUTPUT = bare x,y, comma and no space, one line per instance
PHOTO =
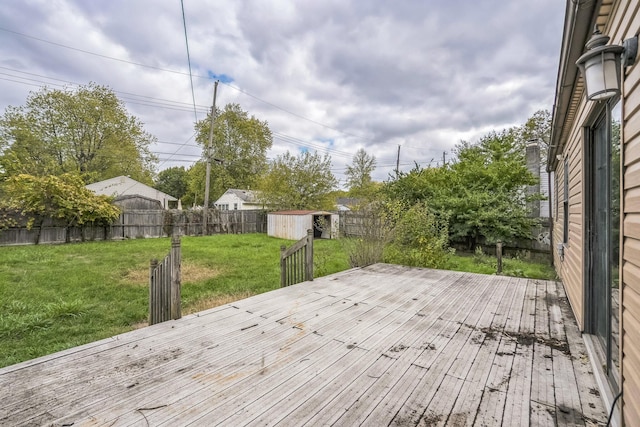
573,269
628,24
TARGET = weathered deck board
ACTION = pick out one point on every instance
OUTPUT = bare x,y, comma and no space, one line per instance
383,345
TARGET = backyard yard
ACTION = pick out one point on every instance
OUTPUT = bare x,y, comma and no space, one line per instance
58,296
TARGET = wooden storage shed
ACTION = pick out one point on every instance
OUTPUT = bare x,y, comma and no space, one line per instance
293,225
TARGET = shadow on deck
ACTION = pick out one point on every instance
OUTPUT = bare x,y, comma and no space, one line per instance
383,345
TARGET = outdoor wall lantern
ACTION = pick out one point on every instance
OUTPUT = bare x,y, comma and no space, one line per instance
601,65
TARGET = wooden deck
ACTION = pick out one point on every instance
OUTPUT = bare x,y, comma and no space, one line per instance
383,345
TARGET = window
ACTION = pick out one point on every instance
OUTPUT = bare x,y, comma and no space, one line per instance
235,206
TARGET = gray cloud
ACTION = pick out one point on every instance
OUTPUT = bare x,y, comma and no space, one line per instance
365,74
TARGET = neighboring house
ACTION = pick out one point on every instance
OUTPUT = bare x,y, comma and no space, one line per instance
539,208
293,225
595,156
238,200
125,186
346,203
136,202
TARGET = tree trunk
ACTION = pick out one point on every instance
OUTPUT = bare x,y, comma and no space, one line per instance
39,231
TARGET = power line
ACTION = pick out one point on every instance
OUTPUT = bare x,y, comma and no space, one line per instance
97,54
182,73
127,96
186,39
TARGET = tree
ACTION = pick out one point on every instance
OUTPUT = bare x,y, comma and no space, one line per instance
482,193
239,147
87,131
173,181
359,174
61,197
298,182
488,185
538,128
195,185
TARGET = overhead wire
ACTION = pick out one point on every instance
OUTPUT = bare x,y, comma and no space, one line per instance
182,73
180,106
186,39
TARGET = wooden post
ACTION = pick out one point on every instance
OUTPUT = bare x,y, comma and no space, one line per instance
283,267
153,294
176,311
499,255
309,254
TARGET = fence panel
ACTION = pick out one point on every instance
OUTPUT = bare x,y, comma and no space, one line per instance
164,286
136,224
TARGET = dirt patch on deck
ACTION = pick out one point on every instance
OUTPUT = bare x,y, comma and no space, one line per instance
190,272
522,338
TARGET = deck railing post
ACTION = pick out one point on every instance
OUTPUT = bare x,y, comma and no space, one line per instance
153,292
309,256
176,310
499,255
283,266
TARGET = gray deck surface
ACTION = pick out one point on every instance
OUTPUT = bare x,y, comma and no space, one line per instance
383,345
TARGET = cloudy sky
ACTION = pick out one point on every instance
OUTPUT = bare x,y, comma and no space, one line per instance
327,75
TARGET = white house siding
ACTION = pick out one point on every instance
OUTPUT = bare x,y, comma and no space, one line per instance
544,190
230,200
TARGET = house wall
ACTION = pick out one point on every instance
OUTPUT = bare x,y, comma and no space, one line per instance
625,24
230,199
620,20
569,260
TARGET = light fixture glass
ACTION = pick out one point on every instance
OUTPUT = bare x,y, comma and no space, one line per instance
600,65
602,76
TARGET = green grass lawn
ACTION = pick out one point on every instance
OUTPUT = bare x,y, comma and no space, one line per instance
60,296
53,297
485,264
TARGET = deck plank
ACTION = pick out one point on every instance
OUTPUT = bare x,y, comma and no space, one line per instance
543,407
519,391
382,345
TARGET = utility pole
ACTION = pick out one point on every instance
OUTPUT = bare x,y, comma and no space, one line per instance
444,158
205,210
398,162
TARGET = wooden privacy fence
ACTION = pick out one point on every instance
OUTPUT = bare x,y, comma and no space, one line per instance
164,286
296,263
138,224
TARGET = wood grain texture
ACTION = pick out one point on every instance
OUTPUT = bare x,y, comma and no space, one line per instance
382,345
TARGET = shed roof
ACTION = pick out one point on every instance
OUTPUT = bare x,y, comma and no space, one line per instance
300,212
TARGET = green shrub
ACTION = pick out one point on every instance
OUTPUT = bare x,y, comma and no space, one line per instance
420,239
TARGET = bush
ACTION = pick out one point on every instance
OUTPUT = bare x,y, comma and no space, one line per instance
373,229
420,239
